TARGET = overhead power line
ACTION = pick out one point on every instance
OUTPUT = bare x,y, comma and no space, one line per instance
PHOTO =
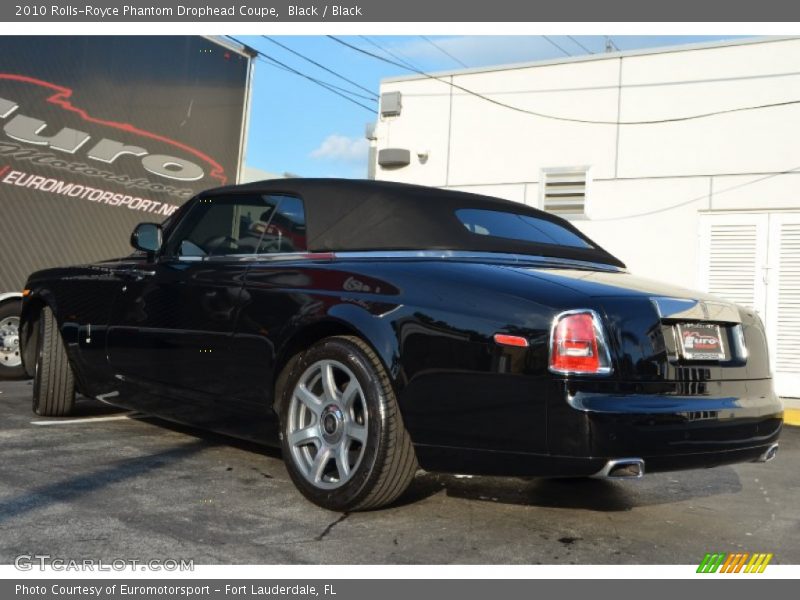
703,196
610,45
330,87
556,45
577,43
271,62
403,62
559,118
443,51
323,67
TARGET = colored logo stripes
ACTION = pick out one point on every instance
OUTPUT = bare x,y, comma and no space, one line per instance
734,563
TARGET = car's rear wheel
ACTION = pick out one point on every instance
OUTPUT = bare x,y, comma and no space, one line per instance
53,381
343,438
10,357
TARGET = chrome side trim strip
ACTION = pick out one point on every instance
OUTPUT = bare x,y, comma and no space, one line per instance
466,255
497,257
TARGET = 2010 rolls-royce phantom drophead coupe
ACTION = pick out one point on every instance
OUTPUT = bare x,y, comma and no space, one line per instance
371,328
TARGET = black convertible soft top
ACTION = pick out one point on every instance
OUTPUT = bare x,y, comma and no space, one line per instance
362,215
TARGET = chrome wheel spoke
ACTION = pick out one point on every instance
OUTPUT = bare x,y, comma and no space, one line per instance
357,432
350,393
309,400
329,382
307,435
343,460
319,464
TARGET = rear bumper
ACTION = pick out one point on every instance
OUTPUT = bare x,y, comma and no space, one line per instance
690,430
521,464
586,429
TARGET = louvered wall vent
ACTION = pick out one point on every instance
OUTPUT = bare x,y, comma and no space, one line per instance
733,264
564,191
786,349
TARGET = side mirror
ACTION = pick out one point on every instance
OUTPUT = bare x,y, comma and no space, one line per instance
147,238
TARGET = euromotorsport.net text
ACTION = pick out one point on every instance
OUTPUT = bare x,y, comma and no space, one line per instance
83,192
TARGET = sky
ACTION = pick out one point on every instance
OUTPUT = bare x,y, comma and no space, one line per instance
299,127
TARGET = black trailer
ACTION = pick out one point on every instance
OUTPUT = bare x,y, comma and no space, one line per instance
98,134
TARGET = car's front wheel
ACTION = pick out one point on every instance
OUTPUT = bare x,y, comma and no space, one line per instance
53,381
343,438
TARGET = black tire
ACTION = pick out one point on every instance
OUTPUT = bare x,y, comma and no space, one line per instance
9,312
387,462
53,382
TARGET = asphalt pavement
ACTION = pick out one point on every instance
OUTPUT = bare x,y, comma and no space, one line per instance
103,485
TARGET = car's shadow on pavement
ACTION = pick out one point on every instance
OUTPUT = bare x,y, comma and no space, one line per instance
74,487
585,493
568,493
85,408
211,437
90,407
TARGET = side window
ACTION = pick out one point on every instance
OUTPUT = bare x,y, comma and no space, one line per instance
282,227
240,225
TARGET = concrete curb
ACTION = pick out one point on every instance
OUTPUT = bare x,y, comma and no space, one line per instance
791,416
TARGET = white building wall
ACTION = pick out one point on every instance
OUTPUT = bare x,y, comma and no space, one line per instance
648,182
719,196
489,141
426,104
641,221
676,84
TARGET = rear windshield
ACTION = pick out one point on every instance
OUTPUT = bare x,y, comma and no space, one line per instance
519,227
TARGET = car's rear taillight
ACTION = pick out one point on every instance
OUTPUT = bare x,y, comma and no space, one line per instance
577,344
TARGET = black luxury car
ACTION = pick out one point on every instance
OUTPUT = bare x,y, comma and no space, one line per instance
372,328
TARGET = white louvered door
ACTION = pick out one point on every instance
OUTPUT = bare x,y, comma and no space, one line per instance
733,251
753,259
783,301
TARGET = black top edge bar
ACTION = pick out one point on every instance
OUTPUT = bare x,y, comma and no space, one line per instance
368,11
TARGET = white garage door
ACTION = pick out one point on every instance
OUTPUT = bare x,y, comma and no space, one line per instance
754,259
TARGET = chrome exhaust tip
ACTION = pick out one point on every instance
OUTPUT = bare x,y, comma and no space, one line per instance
622,468
769,454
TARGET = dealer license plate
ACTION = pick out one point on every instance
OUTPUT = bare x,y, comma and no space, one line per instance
700,341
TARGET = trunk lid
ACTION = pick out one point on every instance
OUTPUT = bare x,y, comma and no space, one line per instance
660,332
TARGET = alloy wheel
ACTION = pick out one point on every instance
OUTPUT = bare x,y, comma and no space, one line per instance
9,342
328,424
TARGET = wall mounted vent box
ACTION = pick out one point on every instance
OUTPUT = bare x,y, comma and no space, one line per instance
391,104
394,157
